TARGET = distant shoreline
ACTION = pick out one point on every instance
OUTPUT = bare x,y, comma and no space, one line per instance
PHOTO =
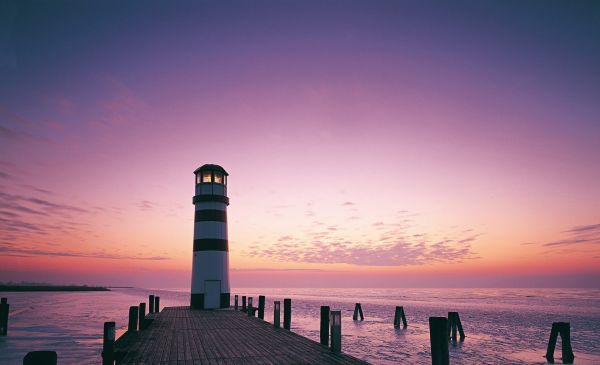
21,288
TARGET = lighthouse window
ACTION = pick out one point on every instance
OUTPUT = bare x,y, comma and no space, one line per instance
206,177
198,178
218,178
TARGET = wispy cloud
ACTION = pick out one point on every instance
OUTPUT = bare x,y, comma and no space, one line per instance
585,234
393,246
26,252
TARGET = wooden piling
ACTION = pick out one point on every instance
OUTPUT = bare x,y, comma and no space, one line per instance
250,305
243,303
156,304
261,306
133,319
142,316
454,324
287,313
357,311
399,315
150,304
336,331
325,325
564,329
276,314
439,340
235,302
40,357
108,344
4,310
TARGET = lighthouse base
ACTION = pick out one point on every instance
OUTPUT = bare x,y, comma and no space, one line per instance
197,301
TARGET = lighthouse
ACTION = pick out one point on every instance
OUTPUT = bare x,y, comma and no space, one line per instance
210,266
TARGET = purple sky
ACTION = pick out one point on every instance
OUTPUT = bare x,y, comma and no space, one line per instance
371,139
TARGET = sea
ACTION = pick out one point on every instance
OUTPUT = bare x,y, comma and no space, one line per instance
502,326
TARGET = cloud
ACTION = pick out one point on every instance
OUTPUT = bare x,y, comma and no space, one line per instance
26,252
345,204
578,235
146,205
393,247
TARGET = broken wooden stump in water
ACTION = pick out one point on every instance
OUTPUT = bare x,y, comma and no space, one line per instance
156,304
357,311
243,303
142,316
564,330
4,310
399,315
108,344
439,340
454,324
235,302
150,304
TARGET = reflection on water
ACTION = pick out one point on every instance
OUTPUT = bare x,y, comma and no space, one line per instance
502,325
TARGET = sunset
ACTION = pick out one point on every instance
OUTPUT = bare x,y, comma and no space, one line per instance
369,144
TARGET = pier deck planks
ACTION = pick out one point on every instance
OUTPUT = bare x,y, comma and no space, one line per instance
178,335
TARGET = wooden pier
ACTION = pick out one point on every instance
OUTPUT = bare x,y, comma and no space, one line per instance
178,335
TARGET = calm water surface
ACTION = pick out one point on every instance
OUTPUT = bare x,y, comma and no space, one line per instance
503,326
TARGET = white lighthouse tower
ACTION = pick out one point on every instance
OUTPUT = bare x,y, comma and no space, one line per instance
210,267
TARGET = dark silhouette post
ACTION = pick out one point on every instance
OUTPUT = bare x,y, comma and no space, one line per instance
142,318
108,344
151,304
336,331
40,357
133,319
453,325
287,313
564,329
261,306
325,325
243,303
399,315
439,340
250,305
4,310
357,311
156,304
276,314
235,302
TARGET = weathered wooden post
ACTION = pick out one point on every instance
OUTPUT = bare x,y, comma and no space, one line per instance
399,315
357,311
151,304
156,304
453,324
439,340
287,313
40,357
133,319
336,331
261,306
4,310
325,325
564,329
243,303
108,344
276,314
142,318
250,309
236,302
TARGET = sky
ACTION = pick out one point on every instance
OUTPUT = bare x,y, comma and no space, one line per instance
369,143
